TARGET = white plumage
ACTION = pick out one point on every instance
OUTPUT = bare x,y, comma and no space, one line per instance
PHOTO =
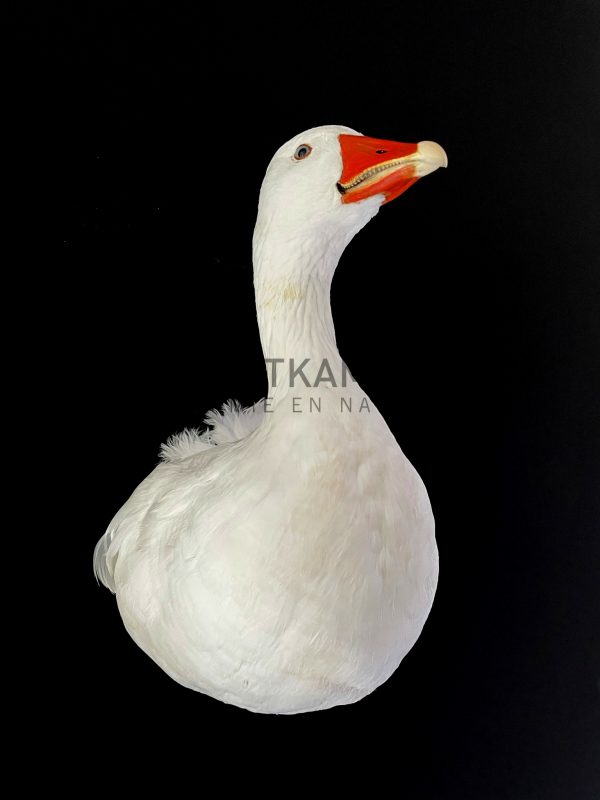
284,560
229,425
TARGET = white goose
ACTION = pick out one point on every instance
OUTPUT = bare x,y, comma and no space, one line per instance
285,560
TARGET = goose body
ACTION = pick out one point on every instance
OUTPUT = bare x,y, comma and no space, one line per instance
285,560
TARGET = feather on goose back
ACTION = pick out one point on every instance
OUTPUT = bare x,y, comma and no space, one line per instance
232,423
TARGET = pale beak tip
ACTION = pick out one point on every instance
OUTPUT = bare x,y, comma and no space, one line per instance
433,156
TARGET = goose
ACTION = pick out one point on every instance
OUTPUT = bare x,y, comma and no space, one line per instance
284,559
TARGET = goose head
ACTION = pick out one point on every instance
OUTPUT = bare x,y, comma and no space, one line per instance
319,190
326,183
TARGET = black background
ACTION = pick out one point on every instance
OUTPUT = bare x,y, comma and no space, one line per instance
468,310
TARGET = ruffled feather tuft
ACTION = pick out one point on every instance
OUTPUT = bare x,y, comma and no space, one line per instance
230,424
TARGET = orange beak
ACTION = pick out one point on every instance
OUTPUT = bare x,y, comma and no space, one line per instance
377,166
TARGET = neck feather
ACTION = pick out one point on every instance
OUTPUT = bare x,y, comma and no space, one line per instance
292,283
293,269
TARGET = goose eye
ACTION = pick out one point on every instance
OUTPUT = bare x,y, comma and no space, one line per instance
302,152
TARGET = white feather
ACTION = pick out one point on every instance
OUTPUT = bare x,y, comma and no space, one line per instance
185,444
230,424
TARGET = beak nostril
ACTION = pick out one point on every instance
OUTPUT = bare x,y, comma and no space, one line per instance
380,152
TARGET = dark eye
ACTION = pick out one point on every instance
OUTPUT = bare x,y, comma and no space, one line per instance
302,151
